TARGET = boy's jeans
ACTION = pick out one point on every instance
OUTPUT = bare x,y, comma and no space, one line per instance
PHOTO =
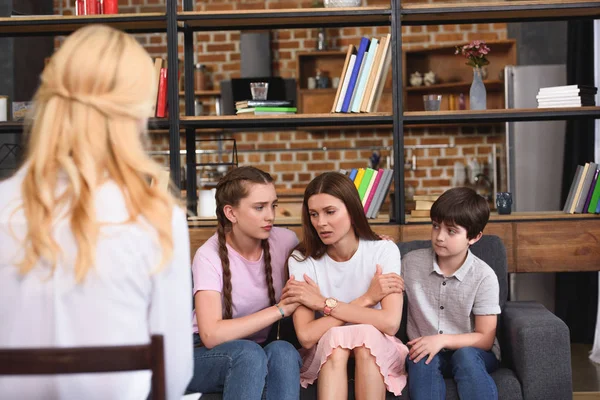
242,369
470,367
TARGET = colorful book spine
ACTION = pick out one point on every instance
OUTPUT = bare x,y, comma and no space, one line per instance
359,177
353,173
370,187
373,190
595,197
365,72
364,183
588,200
360,55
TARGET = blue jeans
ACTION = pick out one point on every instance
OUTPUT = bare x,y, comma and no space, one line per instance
470,367
242,369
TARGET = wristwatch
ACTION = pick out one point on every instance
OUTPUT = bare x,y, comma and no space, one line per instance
330,304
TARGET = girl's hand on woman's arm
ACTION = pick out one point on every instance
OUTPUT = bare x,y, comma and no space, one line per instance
306,293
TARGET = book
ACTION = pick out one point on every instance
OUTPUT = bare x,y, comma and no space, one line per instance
363,77
371,195
158,63
595,197
267,110
565,96
382,190
585,187
381,73
573,188
340,102
579,187
370,187
364,183
569,88
372,74
426,197
360,55
161,103
423,205
359,177
420,213
586,206
263,103
352,174
351,51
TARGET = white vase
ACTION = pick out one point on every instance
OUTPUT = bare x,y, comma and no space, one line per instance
477,94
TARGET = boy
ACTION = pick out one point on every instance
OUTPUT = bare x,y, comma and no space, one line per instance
453,302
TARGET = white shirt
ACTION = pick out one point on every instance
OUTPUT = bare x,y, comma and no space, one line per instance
120,302
348,280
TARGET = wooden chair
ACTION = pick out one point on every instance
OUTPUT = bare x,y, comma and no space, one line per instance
74,360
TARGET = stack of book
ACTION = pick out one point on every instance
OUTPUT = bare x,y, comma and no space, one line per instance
585,191
373,186
566,96
423,205
363,76
264,107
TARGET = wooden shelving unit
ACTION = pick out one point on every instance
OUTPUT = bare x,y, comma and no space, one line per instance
203,93
65,24
498,11
502,115
157,124
287,122
285,18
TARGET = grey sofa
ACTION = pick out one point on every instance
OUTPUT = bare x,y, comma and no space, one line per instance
535,345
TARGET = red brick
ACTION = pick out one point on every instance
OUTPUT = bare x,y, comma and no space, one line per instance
215,48
449,37
320,166
288,167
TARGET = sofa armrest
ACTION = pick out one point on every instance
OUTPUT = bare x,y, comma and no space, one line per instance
536,344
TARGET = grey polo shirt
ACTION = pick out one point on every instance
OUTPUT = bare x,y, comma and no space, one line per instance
439,304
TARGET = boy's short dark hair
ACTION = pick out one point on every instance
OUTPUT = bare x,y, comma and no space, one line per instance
461,206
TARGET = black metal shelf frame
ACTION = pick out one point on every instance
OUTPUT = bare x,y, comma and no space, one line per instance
55,26
398,16
395,17
446,14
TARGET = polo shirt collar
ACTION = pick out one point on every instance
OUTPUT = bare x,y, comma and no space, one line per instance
460,273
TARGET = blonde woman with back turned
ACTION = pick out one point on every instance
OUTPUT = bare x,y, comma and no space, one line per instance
93,251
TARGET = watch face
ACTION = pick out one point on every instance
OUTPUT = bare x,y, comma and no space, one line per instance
331,302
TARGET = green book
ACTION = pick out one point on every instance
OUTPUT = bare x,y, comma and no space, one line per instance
275,109
595,197
364,184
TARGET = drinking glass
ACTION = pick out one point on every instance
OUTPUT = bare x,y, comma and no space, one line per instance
259,90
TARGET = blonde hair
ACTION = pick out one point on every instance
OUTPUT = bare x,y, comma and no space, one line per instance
89,117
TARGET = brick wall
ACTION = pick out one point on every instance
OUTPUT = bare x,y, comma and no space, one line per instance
221,53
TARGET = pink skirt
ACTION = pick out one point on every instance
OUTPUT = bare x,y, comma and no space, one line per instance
389,352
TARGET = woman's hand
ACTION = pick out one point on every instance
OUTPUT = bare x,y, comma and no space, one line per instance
306,293
382,285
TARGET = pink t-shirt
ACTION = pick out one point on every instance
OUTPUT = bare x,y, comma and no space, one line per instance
249,285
